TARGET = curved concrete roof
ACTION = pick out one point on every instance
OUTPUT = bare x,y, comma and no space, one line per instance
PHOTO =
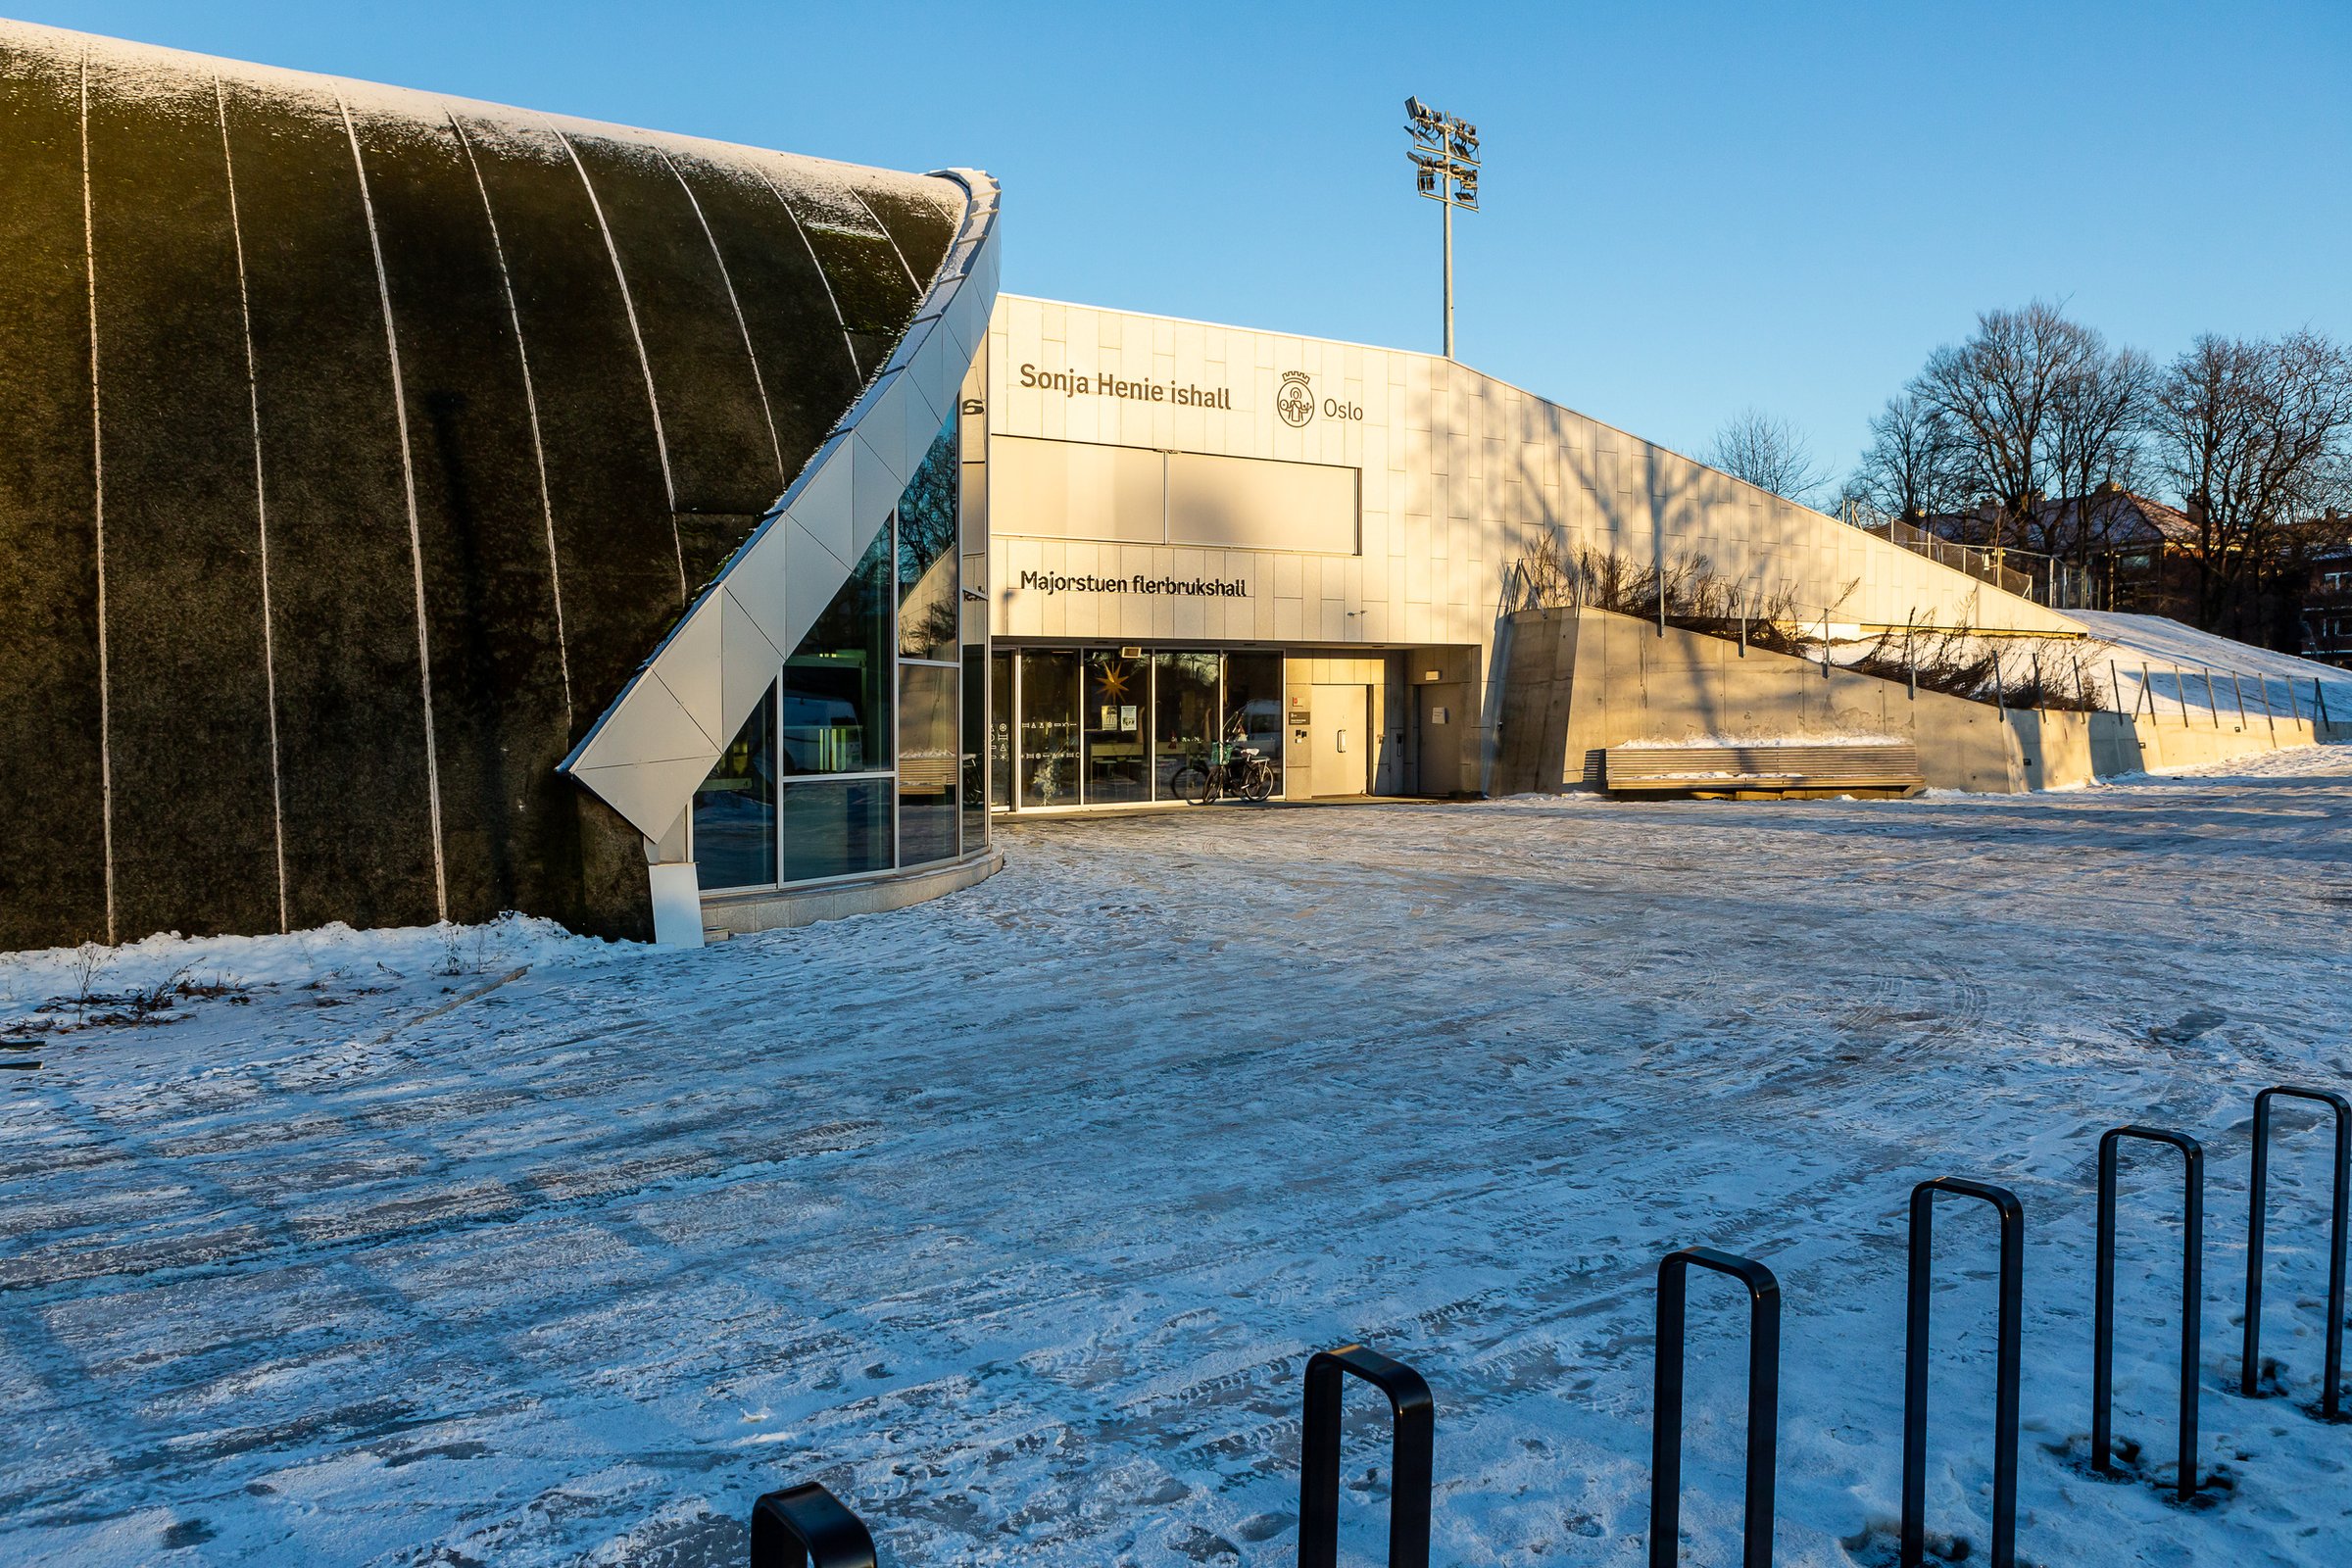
359,446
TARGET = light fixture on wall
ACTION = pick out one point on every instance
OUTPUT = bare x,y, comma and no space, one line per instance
1445,156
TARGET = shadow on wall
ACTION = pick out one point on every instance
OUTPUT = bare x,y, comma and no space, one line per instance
1580,682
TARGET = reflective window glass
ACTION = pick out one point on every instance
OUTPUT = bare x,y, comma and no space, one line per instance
974,748
1048,729
1000,730
1118,692
837,685
735,810
927,763
833,827
928,601
1253,703
1183,714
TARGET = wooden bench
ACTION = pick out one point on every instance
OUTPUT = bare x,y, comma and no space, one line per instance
1765,773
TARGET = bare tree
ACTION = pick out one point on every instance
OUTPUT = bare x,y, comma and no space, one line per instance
2092,446
1914,466
2254,435
1767,453
2001,389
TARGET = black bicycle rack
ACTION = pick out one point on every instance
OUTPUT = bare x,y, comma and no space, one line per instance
807,1526
2331,1394
2007,1377
1763,1403
2192,1275
1411,1456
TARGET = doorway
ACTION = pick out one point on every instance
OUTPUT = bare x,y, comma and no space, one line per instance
1342,744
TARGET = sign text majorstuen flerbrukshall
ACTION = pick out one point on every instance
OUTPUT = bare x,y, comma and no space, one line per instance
1055,582
1077,383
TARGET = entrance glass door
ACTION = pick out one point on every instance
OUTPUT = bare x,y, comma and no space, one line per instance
1118,692
1048,729
1183,713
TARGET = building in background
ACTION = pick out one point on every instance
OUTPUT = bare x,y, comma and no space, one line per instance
1197,529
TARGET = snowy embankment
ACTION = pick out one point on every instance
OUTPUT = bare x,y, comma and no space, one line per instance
1013,1217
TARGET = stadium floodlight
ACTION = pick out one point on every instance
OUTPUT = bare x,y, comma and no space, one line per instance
1444,157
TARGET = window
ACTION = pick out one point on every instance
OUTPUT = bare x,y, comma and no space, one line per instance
1184,715
927,763
1253,703
1048,729
837,685
1000,730
833,827
735,810
928,601
1118,692
850,764
975,751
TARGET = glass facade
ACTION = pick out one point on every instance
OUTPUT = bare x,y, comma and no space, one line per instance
735,810
928,601
1184,715
927,763
1048,729
866,753
1118,694
1000,728
1253,698
837,685
1097,727
833,827
975,748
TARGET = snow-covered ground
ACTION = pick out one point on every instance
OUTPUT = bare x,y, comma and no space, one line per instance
1013,1217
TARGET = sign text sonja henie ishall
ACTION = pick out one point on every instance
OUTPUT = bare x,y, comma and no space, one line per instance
1077,383
1055,582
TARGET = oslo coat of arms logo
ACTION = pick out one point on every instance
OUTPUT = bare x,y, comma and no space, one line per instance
1296,401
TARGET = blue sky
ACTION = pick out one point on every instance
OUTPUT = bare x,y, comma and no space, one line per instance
1691,209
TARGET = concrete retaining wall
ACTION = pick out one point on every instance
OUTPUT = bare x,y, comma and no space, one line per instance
1581,682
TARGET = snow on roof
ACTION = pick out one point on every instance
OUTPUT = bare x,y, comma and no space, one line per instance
137,69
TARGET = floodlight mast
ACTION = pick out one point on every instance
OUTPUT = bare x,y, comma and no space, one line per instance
1444,157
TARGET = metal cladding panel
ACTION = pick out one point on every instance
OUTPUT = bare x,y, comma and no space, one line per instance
470,434
875,485
53,857
822,508
748,661
689,666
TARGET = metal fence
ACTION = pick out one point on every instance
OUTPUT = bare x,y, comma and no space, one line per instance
2202,694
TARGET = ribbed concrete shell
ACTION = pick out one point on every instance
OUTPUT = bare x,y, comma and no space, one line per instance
357,448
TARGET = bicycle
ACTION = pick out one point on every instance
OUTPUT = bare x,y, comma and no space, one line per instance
1242,772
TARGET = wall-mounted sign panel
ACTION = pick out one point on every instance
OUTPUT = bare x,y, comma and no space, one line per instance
1045,489
1258,503
1076,490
